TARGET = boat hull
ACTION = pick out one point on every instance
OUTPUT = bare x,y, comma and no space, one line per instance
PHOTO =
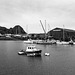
46,43
33,53
21,53
65,43
71,43
39,51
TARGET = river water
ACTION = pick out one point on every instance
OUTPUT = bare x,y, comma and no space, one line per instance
60,62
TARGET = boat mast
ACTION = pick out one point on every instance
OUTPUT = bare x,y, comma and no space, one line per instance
48,28
45,25
63,33
43,29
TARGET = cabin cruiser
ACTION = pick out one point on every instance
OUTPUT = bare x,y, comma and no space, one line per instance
30,51
33,51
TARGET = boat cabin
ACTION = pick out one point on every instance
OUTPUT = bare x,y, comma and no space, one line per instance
31,48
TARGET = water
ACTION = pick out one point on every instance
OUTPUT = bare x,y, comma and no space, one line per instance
60,62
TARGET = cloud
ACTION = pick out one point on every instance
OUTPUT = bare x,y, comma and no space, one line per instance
56,12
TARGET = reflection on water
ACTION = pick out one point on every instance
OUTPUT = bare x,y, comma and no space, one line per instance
60,62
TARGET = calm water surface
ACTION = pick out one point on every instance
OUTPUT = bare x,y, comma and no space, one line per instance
60,62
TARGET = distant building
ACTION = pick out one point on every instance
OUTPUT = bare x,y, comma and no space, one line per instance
62,34
36,35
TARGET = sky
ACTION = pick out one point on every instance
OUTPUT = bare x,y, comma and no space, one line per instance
28,13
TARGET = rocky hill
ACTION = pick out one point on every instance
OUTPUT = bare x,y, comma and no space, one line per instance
15,30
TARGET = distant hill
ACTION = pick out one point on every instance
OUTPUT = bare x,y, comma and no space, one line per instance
15,30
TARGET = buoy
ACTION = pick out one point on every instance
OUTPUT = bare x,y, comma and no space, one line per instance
47,54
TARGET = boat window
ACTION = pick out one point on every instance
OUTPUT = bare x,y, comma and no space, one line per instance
29,47
32,47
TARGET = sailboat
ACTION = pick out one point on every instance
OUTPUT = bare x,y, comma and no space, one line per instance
64,42
71,42
46,41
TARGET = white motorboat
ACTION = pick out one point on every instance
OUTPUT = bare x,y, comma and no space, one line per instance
29,41
65,43
21,52
46,42
33,51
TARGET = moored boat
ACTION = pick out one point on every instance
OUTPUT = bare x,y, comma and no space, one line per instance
65,43
21,52
46,42
29,41
33,51
62,43
71,42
